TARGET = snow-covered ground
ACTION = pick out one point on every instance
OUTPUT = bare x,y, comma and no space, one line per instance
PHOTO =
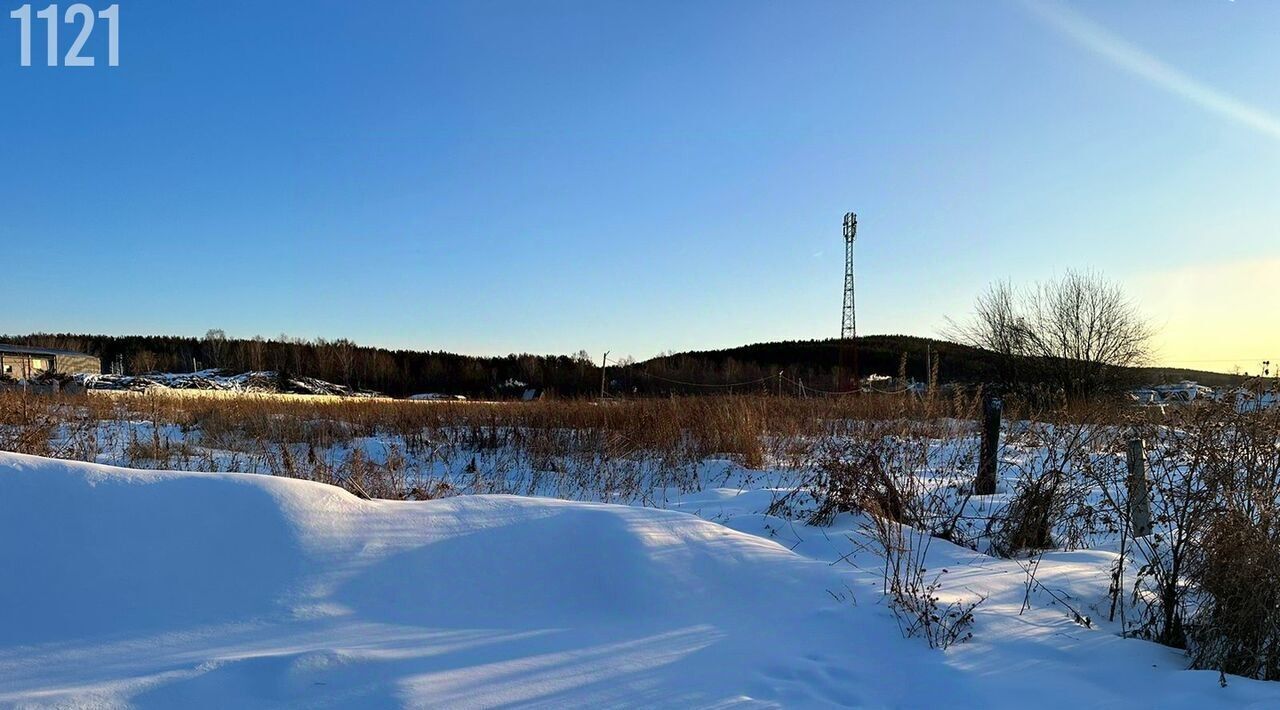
166,589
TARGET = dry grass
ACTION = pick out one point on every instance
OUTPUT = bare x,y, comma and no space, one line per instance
575,447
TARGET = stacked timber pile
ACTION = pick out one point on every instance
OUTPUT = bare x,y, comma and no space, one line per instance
257,382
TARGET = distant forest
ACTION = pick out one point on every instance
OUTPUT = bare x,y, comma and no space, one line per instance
814,364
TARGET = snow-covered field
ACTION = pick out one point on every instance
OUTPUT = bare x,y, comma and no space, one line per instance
164,589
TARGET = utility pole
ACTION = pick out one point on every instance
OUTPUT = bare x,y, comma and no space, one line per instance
1262,383
604,365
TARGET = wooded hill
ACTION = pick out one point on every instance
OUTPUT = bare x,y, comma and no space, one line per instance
749,368
817,363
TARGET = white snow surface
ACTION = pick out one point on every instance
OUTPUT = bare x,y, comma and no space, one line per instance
125,588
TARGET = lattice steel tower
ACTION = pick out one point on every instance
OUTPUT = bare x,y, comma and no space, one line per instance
847,374
849,323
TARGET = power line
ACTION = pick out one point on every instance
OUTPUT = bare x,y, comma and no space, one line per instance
1224,359
705,384
761,380
807,388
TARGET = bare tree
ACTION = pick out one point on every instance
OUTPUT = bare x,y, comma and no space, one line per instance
215,345
1075,333
144,361
345,352
1083,327
256,358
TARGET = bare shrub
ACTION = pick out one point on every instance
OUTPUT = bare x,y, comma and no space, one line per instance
913,592
1051,506
1027,522
851,478
26,423
1235,568
1182,508
908,488
1237,626
1207,578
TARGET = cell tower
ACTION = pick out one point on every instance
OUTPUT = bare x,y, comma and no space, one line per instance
849,323
849,314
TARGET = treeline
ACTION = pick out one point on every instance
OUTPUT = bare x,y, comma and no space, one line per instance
393,372
752,368
813,366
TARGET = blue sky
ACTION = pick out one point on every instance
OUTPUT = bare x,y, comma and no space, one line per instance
489,177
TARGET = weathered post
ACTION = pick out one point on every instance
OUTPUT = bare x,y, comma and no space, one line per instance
992,409
604,367
1139,500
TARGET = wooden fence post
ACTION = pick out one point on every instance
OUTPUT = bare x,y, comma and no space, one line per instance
992,409
1139,500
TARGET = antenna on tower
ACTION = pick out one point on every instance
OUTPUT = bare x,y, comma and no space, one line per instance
849,314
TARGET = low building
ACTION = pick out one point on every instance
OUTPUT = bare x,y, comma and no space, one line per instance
20,362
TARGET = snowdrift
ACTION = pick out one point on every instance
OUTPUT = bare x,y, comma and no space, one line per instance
165,589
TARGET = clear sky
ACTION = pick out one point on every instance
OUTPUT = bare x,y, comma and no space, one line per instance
488,177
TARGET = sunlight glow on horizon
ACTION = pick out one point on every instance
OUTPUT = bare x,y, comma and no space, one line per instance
1236,329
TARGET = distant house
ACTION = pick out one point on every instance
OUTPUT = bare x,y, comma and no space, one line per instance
24,363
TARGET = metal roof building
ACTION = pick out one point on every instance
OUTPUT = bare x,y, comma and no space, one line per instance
21,362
